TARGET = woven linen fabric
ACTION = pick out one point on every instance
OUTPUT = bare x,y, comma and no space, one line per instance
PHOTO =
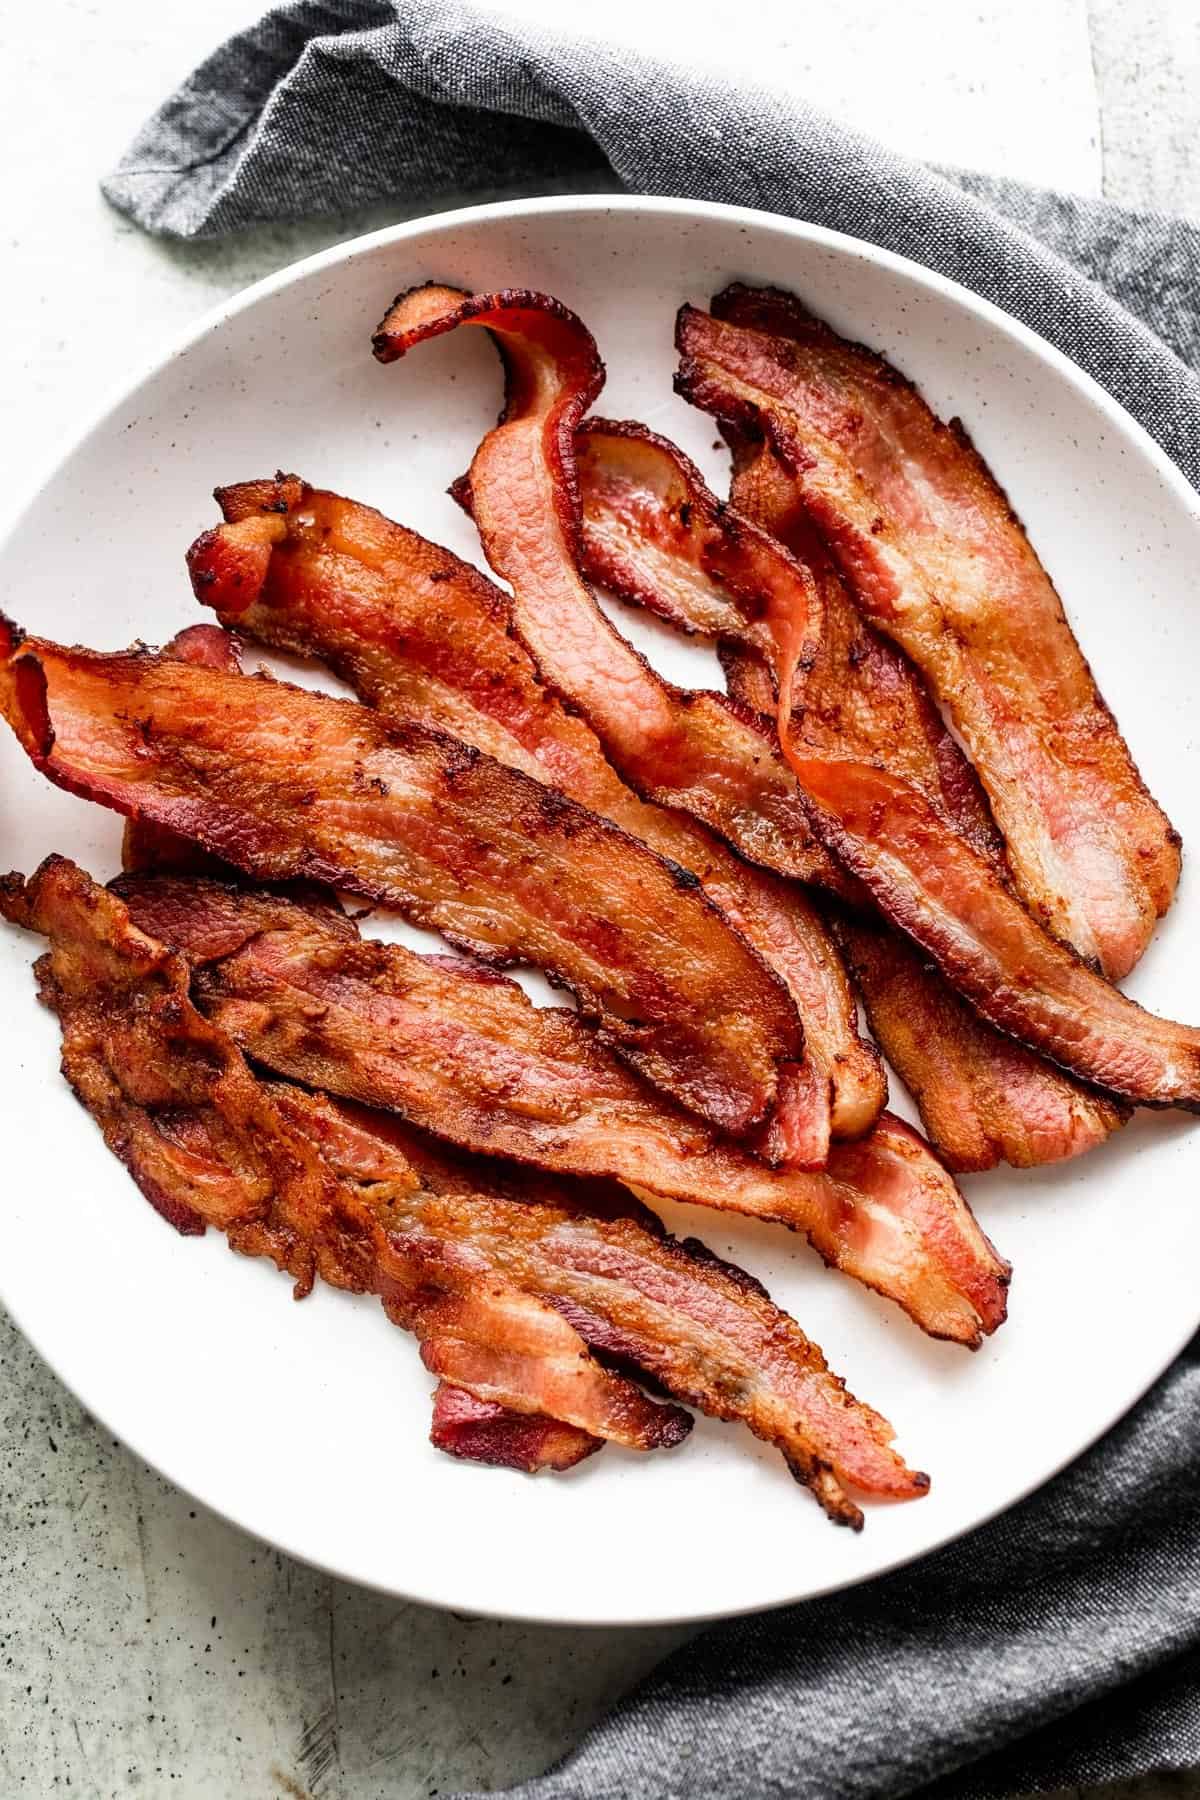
1060,1643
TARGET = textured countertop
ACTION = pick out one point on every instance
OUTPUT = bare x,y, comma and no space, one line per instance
145,1647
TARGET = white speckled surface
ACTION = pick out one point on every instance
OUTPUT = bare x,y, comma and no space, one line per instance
146,1648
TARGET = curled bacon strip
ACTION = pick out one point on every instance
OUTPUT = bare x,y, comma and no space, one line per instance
464,1054
937,559
702,1329
208,1144
921,874
282,783
421,635
695,751
655,534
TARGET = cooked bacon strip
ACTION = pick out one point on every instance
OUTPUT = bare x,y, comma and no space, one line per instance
283,783
463,1053
937,559
655,534
699,1327
480,1431
420,635
208,1144
686,749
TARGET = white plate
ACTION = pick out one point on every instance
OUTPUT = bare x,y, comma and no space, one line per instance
308,1424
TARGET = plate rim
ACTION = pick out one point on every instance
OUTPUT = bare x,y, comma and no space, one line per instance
123,390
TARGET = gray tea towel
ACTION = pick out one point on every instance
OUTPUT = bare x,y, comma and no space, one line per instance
1061,1643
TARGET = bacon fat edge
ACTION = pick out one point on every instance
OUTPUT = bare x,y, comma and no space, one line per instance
922,875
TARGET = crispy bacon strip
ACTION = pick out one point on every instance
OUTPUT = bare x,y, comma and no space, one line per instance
420,635
655,534
937,559
463,1053
923,876
283,782
700,1328
208,1144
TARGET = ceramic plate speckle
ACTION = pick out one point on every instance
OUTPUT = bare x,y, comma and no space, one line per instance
308,1424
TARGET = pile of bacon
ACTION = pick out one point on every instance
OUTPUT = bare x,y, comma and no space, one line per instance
714,878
